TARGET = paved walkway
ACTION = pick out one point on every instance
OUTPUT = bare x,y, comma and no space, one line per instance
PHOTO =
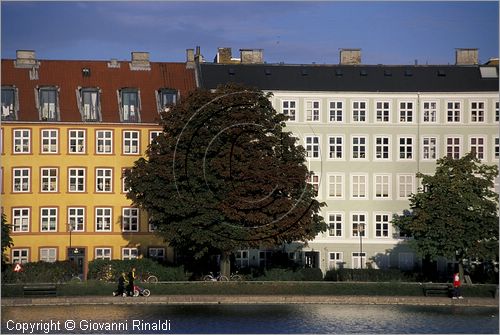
251,299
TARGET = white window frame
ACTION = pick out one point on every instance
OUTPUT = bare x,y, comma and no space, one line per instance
406,186
337,147
21,177
481,153
77,141
23,255
338,224
153,134
335,260
477,112
76,218
77,180
157,253
22,141
432,149
130,253
358,259
496,147
315,181
430,111
103,253
242,258
288,110
453,149
357,143
384,182
388,145
313,111
104,180
48,255
336,113
49,140
453,112
313,150
382,226
337,185
130,219
361,186
406,149
357,222
103,219
48,219
131,142
359,112
496,116
49,182
383,109
406,111
104,142
21,217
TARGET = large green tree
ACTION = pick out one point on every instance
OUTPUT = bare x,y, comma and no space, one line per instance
6,239
455,212
225,175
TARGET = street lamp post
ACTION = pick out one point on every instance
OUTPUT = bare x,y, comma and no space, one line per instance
361,229
70,228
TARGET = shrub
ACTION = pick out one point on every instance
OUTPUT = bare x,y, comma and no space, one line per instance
39,272
369,275
311,274
278,274
109,270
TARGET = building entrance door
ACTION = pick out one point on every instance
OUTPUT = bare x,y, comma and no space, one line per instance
312,259
77,257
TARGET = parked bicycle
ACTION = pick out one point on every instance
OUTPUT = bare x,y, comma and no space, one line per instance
148,278
211,277
236,277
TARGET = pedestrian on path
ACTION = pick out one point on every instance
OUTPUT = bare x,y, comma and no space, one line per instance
130,286
457,294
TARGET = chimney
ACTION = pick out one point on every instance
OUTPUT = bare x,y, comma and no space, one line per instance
26,59
466,56
350,56
113,63
224,56
198,58
140,61
251,56
189,58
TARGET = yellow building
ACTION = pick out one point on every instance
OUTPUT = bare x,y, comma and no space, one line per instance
69,129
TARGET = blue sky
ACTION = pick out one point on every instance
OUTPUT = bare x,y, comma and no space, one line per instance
298,32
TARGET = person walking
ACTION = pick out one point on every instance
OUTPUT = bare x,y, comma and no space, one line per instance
130,286
456,286
121,285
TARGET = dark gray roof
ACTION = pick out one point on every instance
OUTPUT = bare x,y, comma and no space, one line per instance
355,78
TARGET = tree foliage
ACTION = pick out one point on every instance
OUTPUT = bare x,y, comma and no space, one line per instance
224,175
455,212
6,239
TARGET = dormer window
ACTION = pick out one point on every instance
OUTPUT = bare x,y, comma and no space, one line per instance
165,98
130,105
48,107
90,104
9,103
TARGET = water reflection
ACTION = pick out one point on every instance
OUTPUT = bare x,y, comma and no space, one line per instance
269,318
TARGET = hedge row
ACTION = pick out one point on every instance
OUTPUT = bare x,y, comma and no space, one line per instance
39,272
110,270
370,275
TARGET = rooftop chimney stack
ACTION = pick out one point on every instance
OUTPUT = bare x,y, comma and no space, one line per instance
26,59
466,56
189,58
140,61
198,58
251,56
350,56
224,55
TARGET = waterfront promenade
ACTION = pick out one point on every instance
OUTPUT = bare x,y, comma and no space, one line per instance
251,299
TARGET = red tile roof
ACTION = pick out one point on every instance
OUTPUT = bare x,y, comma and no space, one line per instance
67,75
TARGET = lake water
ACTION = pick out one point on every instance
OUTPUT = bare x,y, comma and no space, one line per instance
246,319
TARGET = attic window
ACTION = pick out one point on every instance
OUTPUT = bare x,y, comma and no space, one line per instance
408,73
387,73
268,72
441,73
488,72
231,71
86,72
304,72
9,103
363,73
338,73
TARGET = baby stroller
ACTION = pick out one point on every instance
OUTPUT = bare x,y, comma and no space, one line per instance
141,291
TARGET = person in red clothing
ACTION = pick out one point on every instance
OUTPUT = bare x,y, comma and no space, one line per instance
456,286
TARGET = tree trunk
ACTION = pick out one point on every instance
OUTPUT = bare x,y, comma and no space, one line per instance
461,270
225,264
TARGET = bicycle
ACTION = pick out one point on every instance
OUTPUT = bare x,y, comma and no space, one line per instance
148,278
236,277
211,277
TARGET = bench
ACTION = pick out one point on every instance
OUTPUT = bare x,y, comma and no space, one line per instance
39,290
437,289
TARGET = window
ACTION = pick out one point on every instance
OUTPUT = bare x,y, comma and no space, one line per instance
152,227
157,254
76,179
336,147
429,112
453,147
49,180
103,181
76,218
359,147
153,135
289,109
312,146
104,140
383,111
359,111
76,139
48,104
130,142
382,225
166,98
21,180
9,103
497,113
405,148
103,219
48,255
90,104
382,186
335,224
129,105
124,178
21,219
335,260
477,146
336,186
358,222
313,179
453,111
405,185
312,111
476,112
130,219
382,148
358,259
103,253
20,256
48,219
129,253
336,111
429,148
358,187
242,259
496,149
22,141
406,112
50,141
